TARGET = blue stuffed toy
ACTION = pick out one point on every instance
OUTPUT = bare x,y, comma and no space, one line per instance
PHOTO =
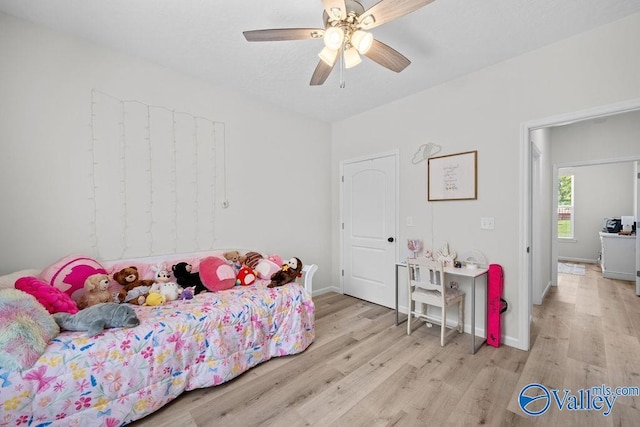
96,318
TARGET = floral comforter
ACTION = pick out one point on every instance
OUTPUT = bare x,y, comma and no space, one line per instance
122,375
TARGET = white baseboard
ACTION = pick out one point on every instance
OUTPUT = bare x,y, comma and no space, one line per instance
325,291
546,289
584,260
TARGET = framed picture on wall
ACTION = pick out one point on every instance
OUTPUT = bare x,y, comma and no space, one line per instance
453,177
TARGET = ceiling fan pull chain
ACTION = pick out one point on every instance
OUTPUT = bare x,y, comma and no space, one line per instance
342,82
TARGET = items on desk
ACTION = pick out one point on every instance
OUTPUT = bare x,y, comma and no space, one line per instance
446,256
473,259
414,245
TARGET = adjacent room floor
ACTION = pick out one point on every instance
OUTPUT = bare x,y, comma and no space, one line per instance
362,370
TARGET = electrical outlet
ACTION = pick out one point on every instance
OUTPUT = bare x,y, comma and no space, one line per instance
486,223
409,221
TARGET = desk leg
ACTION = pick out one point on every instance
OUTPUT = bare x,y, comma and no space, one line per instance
473,316
398,321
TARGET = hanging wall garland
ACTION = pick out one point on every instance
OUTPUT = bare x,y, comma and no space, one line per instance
156,176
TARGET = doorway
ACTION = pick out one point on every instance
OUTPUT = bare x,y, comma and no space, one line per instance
527,229
369,228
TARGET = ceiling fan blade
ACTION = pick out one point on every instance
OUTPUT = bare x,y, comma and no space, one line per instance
280,34
321,72
387,10
330,7
387,57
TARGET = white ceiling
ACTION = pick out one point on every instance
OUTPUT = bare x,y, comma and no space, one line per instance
203,38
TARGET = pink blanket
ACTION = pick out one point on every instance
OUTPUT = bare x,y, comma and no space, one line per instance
122,375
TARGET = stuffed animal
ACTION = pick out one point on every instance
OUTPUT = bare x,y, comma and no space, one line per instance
170,291
252,259
265,268
96,290
97,317
276,259
163,285
216,274
134,290
246,276
186,294
161,276
184,276
287,274
234,259
154,298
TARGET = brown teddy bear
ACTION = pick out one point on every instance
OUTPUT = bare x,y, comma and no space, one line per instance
95,291
134,290
235,259
287,274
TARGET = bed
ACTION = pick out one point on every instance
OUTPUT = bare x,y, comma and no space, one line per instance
122,375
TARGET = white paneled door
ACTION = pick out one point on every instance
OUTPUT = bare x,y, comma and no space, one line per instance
369,229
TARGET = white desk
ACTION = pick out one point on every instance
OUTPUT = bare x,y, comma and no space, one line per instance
471,273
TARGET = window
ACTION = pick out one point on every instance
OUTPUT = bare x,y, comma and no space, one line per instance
565,207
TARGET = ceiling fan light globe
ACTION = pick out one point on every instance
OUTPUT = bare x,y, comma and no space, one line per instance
362,41
328,56
333,38
351,58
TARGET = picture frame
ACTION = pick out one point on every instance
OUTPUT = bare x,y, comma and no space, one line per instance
453,177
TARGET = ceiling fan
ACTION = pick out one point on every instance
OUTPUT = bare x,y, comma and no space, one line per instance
346,35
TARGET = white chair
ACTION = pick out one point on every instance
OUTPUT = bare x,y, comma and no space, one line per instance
426,286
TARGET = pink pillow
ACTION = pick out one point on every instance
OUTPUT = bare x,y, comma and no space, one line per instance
265,268
69,273
52,298
216,274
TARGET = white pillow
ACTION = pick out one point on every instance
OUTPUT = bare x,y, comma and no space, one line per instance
9,280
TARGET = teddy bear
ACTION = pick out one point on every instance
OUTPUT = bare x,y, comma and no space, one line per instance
134,290
287,274
235,259
184,276
96,290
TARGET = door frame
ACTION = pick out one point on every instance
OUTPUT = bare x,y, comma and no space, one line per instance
525,258
396,155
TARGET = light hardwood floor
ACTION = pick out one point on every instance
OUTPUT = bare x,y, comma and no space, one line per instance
362,370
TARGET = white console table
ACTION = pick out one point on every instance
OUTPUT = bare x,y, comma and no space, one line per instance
618,256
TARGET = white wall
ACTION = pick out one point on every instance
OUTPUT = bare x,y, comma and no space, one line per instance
600,191
277,161
542,218
484,111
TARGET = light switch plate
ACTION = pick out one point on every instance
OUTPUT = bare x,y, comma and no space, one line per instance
486,223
